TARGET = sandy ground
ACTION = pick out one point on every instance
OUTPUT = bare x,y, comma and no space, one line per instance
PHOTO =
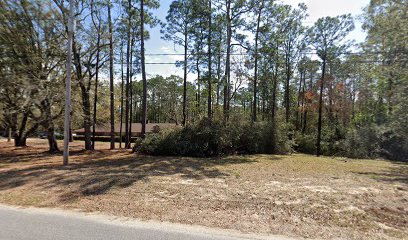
296,195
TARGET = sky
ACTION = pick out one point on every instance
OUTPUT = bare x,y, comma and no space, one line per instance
316,10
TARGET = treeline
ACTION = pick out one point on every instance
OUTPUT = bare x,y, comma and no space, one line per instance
257,66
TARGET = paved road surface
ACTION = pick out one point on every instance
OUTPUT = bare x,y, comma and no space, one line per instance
48,224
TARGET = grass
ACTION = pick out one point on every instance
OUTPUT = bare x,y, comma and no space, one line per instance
293,195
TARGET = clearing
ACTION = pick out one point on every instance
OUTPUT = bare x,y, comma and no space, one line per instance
295,195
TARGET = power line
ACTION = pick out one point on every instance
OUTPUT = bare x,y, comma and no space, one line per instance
193,54
246,54
361,61
357,62
158,63
10,19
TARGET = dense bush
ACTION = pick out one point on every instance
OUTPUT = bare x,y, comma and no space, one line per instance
306,143
394,145
377,141
212,138
206,138
361,141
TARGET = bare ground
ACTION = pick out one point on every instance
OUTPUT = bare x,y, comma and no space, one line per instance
296,195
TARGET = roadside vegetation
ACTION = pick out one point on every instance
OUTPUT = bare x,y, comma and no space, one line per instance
263,80
274,125
295,195
209,138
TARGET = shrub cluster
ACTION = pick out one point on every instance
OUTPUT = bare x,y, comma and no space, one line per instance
365,141
373,141
212,138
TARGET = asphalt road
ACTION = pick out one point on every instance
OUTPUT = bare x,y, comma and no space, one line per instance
44,224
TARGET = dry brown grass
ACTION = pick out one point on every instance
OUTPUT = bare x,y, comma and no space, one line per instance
294,195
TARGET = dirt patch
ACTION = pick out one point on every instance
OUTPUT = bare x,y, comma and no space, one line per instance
296,195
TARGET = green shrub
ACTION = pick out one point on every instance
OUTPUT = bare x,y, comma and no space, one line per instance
306,143
283,141
212,138
206,138
393,141
250,139
361,142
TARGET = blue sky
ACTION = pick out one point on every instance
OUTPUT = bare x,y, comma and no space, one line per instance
316,9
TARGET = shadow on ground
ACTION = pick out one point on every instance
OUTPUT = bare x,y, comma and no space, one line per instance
99,171
396,174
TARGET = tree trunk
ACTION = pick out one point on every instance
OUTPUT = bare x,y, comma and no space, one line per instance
86,107
198,86
128,62
130,116
121,97
111,83
49,126
265,91
305,114
304,122
319,123
390,93
330,95
209,111
263,107
19,138
298,113
274,88
71,137
52,142
254,117
185,79
20,141
287,90
9,135
86,104
304,106
219,81
96,88
129,136
227,64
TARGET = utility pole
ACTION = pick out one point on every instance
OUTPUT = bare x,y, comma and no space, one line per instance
142,50
68,83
